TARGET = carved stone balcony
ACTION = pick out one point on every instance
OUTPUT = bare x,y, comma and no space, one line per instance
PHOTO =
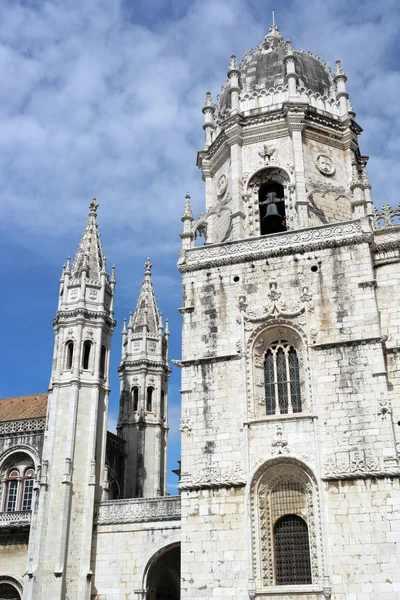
138,510
15,519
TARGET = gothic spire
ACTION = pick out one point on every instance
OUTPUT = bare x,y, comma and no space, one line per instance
90,255
146,312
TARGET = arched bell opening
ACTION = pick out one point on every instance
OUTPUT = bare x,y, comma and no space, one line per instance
164,575
271,201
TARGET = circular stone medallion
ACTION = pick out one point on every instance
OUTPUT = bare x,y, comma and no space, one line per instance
222,185
325,165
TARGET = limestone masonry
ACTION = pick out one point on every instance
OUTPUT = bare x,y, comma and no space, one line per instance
289,481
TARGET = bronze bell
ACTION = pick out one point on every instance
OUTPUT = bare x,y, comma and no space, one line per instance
272,212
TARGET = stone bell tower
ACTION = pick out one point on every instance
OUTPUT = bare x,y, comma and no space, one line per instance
72,469
287,433
143,416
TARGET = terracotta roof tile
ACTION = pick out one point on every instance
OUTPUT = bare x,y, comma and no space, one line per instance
23,407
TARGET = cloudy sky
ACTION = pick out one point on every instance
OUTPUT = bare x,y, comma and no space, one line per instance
104,98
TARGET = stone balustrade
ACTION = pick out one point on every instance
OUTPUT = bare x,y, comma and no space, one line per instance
138,510
18,518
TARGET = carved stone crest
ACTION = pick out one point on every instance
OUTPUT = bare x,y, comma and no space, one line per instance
325,165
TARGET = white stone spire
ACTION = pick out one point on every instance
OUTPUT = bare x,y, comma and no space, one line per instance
90,255
146,312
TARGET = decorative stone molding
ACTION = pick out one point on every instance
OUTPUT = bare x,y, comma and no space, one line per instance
22,425
387,217
222,185
138,510
215,477
185,425
289,242
356,464
279,445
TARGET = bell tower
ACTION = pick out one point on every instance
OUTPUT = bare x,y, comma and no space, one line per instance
283,338
72,469
143,416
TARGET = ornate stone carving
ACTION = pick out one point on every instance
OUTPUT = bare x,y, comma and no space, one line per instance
185,425
266,154
384,407
24,425
279,445
304,240
213,476
138,510
352,464
387,217
93,294
325,165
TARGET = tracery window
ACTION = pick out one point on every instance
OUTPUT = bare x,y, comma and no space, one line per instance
19,489
282,381
285,526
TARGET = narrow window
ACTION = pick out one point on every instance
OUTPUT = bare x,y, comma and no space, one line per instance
149,402
70,354
87,346
135,399
294,380
292,551
269,383
162,404
12,491
28,490
103,361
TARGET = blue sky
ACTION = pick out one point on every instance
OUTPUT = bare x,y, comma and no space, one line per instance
104,98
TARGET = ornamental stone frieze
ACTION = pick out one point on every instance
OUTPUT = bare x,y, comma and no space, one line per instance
290,242
138,510
354,464
22,425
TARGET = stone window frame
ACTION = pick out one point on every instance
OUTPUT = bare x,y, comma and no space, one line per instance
262,176
67,354
263,337
22,459
267,477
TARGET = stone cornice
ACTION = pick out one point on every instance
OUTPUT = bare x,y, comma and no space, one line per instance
341,343
289,242
143,362
206,360
67,315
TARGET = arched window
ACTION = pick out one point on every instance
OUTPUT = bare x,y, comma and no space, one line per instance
271,201
149,400
87,347
135,399
286,519
9,589
292,551
19,489
69,355
103,361
282,381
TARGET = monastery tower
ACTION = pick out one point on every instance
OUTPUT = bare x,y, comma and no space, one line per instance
143,417
287,342
72,468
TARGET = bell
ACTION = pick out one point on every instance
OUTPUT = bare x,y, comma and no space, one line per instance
272,212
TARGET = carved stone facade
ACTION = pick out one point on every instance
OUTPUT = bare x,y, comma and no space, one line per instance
290,379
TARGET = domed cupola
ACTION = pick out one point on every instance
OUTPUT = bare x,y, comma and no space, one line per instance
281,148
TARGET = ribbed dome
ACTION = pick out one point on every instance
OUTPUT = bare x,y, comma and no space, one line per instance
264,68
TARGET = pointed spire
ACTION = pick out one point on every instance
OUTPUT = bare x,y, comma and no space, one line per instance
146,313
90,255
187,213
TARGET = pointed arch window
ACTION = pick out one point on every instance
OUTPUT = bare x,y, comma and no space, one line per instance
282,381
135,399
87,349
103,356
69,355
149,399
